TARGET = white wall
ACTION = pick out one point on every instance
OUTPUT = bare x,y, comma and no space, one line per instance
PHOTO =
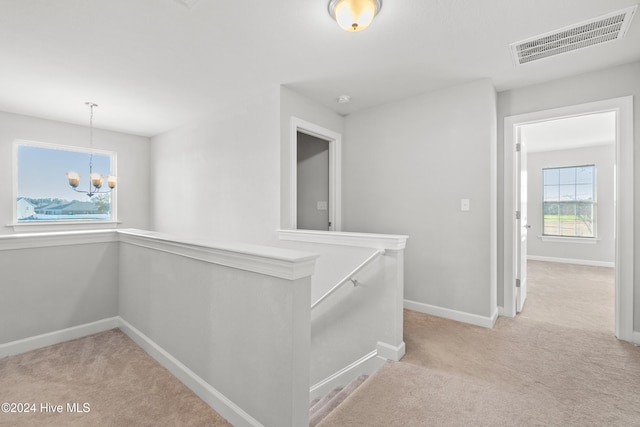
239,321
601,252
293,104
50,284
133,163
406,166
353,321
218,176
606,84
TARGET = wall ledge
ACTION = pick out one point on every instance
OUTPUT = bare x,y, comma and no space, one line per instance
271,261
60,238
277,262
367,240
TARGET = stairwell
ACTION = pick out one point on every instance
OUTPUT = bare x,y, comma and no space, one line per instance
322,407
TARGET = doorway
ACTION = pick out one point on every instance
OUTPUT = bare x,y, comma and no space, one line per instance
313,183
569,216
623,193
324,204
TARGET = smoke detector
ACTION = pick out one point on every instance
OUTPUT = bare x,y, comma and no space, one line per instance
606,28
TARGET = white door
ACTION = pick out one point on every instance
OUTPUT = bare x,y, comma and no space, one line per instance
522,226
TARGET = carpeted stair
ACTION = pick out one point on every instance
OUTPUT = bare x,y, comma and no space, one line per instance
320,408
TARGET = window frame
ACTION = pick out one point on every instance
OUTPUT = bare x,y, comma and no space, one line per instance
70,224
593,203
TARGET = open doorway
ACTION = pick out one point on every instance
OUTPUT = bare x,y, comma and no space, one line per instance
569,217
313,183
318,208
622,108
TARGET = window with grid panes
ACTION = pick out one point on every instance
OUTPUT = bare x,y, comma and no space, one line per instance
569,201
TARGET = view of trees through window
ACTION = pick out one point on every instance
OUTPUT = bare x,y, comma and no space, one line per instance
569,201
43,190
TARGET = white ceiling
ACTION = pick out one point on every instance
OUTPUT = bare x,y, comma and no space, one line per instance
152,65
571,132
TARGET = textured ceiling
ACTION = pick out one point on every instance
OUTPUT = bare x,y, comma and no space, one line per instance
152,65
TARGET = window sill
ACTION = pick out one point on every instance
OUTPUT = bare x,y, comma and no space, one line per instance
63,226
579,240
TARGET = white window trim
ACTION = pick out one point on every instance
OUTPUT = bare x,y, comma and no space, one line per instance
567,239
40,226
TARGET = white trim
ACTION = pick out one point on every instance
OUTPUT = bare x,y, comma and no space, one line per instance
365,240
391,352
447,313
572,261
61,238
335,170
635,338
562,239
220,403
366,365
44,226
57,337
624,197
271,261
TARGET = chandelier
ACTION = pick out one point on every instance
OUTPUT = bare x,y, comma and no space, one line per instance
354,15
95,184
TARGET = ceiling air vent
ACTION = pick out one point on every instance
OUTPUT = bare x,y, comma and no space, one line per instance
595,31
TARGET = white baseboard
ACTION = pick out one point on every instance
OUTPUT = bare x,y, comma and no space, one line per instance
56,337
571,261
391,352
447,313
225,407
635,338
366,365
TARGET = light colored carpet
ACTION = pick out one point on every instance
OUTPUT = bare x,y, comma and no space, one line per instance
121,383
556,364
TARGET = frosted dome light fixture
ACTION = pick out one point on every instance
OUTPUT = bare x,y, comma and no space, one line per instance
354,15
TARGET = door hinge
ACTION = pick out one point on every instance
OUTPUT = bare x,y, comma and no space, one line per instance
517,283
518,146
517,214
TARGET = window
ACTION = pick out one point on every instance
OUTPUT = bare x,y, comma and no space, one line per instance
43,191
569,202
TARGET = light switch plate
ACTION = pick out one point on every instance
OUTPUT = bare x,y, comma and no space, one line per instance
465,205
322,206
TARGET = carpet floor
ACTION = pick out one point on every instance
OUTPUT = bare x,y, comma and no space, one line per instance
106,379
555,364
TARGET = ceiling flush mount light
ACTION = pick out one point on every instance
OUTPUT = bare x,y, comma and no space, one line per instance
344,99
95,178
354,15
